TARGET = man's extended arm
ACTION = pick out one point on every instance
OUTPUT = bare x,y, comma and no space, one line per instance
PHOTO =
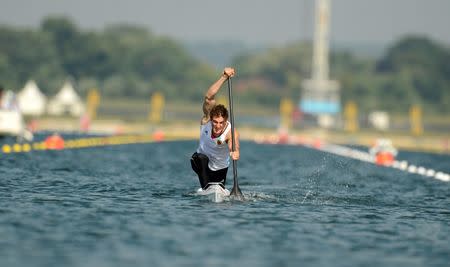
209,101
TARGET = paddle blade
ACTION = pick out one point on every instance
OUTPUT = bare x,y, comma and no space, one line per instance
236,193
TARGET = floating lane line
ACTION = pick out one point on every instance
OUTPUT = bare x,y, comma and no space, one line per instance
365,156
81,143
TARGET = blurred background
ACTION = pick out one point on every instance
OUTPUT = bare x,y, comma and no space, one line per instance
349,70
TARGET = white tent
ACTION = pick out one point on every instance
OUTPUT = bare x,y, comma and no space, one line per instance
66,101
31,100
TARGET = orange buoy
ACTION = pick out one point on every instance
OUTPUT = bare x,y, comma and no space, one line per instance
158,136
54,141
317,144
384,158
283,138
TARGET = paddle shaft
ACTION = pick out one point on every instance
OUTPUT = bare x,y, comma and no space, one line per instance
236,191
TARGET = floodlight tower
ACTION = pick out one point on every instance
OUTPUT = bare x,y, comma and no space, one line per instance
320,95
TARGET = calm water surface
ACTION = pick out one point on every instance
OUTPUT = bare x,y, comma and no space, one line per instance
133,205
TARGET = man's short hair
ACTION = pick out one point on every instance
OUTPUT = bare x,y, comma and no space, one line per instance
219,111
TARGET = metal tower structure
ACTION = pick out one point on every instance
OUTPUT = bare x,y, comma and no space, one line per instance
320,96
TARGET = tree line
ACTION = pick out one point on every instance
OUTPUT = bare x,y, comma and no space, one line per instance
130,61
120,61
413,71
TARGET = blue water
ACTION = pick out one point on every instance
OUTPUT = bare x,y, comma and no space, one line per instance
133,205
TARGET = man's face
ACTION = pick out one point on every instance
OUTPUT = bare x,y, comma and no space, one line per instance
218,124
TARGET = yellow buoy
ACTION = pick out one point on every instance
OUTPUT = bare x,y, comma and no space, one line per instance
17,148
6,149
26,148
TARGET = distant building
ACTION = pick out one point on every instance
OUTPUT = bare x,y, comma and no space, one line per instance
320,96
66,101
31,100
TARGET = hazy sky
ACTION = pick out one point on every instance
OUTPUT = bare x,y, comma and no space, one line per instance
251,21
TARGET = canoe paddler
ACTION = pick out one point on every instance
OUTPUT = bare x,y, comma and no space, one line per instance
212,158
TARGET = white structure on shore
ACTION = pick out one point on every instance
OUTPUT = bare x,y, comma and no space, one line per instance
320,96
31,100
66,101
11,120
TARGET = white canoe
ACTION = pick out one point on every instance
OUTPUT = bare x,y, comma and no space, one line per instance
215,192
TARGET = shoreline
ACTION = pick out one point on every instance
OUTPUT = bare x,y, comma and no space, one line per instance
433,143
